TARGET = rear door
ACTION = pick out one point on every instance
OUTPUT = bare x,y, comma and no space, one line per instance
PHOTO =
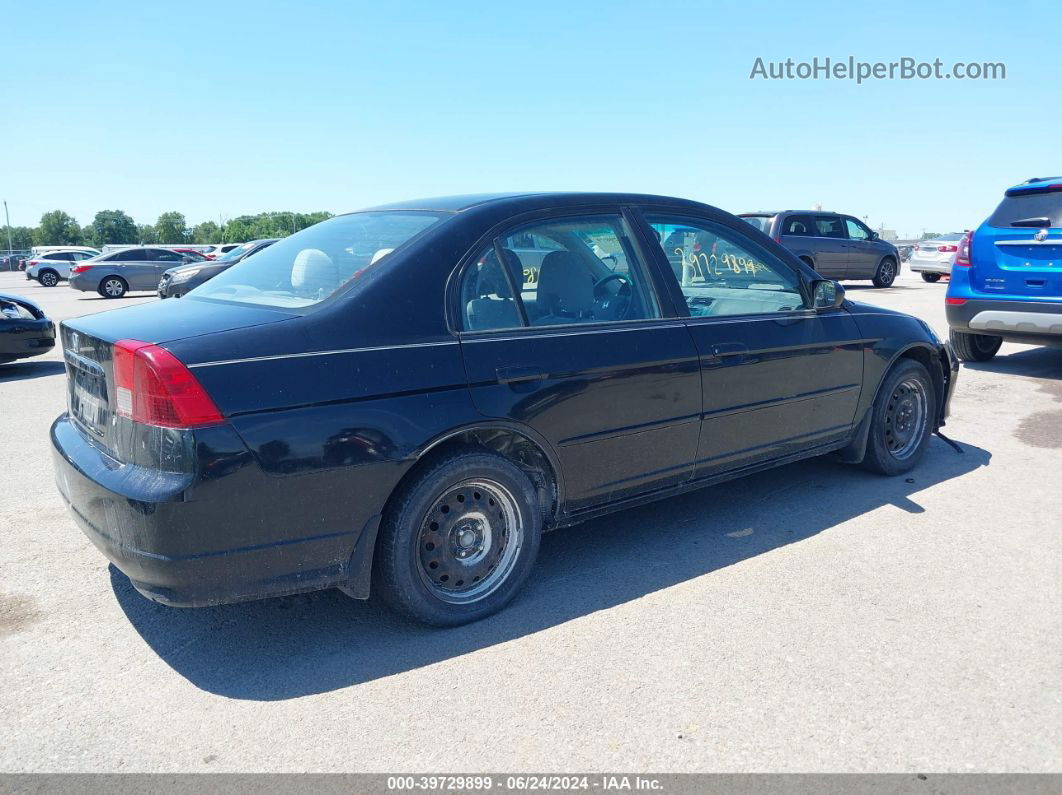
777,377
1018,250
587,354
831,247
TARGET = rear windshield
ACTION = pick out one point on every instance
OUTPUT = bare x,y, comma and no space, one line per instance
307,267
761,222
1029,207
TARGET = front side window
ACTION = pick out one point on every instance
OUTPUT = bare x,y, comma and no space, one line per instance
307,267
856,231
589,273
721,273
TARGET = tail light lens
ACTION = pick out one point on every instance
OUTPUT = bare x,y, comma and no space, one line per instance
153,387
962,259
948,247
80,268
954,301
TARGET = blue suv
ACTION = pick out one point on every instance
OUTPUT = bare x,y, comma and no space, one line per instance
1006,283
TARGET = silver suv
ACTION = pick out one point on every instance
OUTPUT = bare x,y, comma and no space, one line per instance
835,245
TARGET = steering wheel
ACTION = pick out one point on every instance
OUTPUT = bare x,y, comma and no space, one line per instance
624,297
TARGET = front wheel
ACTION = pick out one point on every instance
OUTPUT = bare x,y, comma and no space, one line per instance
886,273
113,287
902,419
931,277
459,541
974,347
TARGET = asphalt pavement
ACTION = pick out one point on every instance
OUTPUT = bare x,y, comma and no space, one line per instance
812,618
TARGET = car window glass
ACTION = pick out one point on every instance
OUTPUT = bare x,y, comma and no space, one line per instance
587,272
856,230
829,226
723,273
800,225
162,255
129,255
761,222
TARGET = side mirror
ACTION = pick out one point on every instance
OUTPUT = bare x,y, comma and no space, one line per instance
827,294
874,237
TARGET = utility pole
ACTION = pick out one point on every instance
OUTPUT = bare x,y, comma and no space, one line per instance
7,220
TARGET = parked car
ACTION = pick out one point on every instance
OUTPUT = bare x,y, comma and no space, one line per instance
135,268
194,253
24,329
835,245
933,258
50,268
1006,282
42,251
218,250
177,281
383,402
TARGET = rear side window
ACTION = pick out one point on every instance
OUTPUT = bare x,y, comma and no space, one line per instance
799,225
590,273
1035,209
830,226
761,222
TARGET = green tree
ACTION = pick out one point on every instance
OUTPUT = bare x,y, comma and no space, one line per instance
172,228
21,238
114,226
58,229
88,236
240,230
206,232
145,233
929,235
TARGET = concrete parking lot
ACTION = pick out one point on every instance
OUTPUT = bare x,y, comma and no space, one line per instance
812,618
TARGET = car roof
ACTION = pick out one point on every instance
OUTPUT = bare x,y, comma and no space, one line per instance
1034,184
532,201
799,212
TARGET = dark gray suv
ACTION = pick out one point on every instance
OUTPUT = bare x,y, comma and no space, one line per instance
837,246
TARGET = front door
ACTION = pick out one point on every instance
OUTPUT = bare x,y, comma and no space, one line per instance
777,377
583,353
863,252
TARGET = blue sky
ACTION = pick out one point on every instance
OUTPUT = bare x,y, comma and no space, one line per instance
227,108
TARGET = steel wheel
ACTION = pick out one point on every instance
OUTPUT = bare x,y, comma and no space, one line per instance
469,541
906,415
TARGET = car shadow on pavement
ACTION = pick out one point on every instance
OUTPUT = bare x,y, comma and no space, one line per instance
1032,362
314,643
21,371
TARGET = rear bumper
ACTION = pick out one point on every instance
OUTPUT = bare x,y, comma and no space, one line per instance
929,267
1034,322
84,282
191,540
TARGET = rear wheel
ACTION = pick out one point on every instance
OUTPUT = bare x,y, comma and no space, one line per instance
931,277
974,347
113,287
459,540
48,278
886,273
901,419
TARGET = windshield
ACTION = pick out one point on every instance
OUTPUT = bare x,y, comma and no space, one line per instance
761,222
307,267
239,251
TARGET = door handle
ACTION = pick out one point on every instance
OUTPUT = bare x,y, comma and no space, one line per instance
729,348
512,375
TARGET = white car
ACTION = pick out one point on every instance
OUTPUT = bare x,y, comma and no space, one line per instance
218,250
50,267
934,258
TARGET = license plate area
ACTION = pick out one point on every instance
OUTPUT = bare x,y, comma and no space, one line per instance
88,394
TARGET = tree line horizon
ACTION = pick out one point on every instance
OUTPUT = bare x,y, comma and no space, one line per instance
115,227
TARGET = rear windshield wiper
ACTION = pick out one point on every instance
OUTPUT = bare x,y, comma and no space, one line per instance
1034,222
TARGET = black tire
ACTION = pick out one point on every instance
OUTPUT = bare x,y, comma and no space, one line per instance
886,273
113,287
974,347
902,419
931,277
48,278
425,526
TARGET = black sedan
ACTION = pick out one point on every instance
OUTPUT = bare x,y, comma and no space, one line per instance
176,282
24,329
386,403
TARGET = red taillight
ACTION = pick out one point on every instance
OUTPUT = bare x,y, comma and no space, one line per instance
80,268
153,387
962,259
954,301
948,248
